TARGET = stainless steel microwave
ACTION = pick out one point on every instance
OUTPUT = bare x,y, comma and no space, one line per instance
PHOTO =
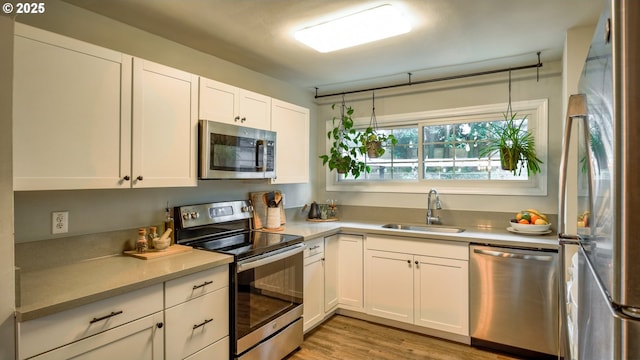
235,152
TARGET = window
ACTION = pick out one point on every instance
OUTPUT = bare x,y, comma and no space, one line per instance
443,149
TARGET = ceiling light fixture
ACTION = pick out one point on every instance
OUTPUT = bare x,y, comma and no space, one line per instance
370,25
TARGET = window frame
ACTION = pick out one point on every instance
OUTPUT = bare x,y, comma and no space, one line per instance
536,185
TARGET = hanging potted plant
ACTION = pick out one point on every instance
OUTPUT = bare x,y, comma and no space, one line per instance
371,140
345,154
515,145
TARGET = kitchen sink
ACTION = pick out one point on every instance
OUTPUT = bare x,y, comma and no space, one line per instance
425,228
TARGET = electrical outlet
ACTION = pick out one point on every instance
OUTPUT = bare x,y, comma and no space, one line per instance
59,222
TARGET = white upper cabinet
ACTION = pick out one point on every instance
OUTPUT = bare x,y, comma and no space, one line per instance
81,122
218,101
291,123
70,101
165,126
255,110
228,104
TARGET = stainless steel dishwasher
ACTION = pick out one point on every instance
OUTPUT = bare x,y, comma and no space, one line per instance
514,300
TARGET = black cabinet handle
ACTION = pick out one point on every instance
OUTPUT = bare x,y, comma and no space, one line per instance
139,178
113,313
202,285
202,324
126,178
159,325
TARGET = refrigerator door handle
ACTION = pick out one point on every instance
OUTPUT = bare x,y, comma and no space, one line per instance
577,108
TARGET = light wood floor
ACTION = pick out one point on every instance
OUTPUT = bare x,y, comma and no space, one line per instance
346,338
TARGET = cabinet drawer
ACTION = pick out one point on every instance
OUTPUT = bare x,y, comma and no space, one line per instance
191,286
419,246
39,335
195,324
219,350
142,339
314,247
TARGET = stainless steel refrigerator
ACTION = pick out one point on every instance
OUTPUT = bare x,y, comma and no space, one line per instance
601,282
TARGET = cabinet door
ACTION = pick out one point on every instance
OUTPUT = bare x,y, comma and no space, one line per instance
442,294
313,291
141,340
389,290
291,123
70,101
255,110
330,273
165,127
351,270
219,101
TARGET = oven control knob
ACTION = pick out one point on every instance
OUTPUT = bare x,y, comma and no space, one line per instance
185,216
195,215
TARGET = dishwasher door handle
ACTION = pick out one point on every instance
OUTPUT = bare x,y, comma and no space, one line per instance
510,255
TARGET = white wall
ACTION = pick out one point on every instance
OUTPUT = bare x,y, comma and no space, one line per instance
93,211
7,277
491,89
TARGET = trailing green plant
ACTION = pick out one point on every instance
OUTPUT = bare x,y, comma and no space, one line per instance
345,153
515,145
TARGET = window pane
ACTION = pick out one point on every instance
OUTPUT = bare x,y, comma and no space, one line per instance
399,162
452,151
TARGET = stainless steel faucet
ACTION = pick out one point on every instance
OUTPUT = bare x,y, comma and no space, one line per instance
431,219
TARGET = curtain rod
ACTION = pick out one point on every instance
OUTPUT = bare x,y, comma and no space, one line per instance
538,65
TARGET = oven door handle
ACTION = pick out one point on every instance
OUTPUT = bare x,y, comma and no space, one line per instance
270,257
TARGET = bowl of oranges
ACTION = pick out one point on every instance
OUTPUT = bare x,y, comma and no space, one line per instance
530,221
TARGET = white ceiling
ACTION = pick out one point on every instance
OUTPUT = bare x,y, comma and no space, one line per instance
448,36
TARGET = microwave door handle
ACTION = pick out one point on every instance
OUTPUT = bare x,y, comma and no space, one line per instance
577,108
260,159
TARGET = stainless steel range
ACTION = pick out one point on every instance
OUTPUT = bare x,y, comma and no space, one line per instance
266,276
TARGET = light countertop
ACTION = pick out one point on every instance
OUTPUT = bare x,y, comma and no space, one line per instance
51,290
59,288
485,235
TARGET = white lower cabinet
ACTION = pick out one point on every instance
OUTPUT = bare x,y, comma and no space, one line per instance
331,280
441,294
313,291
87,330
390,285
320,280
196,324
197,315
425,284
351,272
141,340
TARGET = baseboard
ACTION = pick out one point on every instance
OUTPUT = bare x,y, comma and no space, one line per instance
404,326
